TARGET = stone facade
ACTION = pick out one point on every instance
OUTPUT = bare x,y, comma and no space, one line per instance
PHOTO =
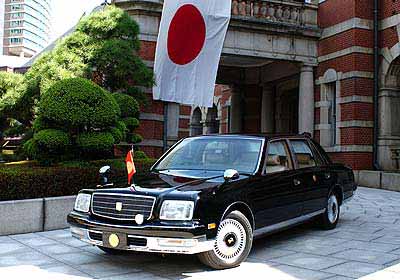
263,36
288,67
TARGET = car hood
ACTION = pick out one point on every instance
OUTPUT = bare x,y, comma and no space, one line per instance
177,182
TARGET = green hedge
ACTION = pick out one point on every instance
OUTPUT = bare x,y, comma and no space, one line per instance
28,182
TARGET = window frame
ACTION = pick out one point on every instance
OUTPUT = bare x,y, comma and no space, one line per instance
290,156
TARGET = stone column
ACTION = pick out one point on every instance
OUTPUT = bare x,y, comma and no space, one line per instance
173,123
306,100
236,111
267,110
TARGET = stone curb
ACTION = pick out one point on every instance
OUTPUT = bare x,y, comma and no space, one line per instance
378,180
35,215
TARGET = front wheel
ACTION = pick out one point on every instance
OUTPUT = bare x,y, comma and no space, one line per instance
233,243
330,218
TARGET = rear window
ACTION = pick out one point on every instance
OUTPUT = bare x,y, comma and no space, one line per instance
303,154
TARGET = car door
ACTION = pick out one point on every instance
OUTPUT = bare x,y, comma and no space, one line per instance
310,176
275,197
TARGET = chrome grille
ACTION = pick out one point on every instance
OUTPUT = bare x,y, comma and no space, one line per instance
105,205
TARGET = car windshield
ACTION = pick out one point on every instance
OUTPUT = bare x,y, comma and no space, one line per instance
214,154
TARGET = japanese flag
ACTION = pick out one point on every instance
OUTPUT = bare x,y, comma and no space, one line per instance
190,41
130,166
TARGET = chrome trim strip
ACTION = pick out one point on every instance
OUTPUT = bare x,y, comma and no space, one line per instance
127,195
286,224
200,244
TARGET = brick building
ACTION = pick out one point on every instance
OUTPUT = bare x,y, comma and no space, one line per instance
291,67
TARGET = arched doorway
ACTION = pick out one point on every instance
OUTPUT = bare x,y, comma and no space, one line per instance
389,113
212,121
196,127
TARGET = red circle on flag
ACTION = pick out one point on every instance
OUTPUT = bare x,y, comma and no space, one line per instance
186,35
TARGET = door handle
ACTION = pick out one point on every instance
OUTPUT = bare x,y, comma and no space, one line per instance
296,182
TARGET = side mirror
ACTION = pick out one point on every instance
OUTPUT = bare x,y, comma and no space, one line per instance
231,174
104,174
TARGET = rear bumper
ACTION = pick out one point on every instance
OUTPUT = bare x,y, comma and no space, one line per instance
185,239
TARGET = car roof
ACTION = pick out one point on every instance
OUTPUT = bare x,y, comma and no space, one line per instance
266,136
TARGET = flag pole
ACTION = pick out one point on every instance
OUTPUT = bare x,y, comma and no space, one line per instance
133,154
165,136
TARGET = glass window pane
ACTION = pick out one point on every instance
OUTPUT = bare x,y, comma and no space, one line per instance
278,158
214,154
303,153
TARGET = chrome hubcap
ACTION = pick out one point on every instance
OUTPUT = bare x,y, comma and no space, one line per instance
333,209
231,241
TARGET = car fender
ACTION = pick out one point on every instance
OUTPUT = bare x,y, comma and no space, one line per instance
237,205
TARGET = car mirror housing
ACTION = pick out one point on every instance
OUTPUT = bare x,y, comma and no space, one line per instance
104,174
231,174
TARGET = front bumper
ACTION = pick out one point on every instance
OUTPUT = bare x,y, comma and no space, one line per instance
186,239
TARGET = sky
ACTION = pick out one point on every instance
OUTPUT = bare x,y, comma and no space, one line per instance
66,13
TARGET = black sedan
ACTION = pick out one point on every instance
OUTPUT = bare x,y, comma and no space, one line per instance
211,195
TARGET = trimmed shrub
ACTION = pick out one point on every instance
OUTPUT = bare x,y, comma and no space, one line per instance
96,143
131,123
128,105
30,148
52,141
140,155
136,138
79,102
121,126
117,134
40,124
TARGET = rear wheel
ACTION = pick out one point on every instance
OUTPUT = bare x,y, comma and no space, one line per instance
330,218
233,243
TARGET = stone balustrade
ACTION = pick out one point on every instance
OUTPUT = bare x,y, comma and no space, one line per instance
289,11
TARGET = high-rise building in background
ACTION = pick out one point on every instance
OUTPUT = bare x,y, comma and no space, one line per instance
24,26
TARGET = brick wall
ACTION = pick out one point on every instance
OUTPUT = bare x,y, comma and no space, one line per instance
332,13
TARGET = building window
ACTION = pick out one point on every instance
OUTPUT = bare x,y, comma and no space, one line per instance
15,40
331,98
330,109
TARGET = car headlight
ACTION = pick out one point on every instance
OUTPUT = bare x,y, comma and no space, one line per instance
82,202
177,210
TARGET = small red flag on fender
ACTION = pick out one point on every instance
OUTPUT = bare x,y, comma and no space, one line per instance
130,166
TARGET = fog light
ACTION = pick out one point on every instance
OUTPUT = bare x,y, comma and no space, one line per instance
177,242
113,240
139,219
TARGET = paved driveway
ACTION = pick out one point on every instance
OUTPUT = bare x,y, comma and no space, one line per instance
366,245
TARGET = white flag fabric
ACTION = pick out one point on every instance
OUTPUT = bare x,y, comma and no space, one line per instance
189,46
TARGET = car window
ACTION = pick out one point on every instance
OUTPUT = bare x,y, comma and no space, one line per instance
214,154
303,154
322,153
278,158
318,157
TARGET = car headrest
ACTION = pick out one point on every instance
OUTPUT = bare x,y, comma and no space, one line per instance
303,158
273,160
